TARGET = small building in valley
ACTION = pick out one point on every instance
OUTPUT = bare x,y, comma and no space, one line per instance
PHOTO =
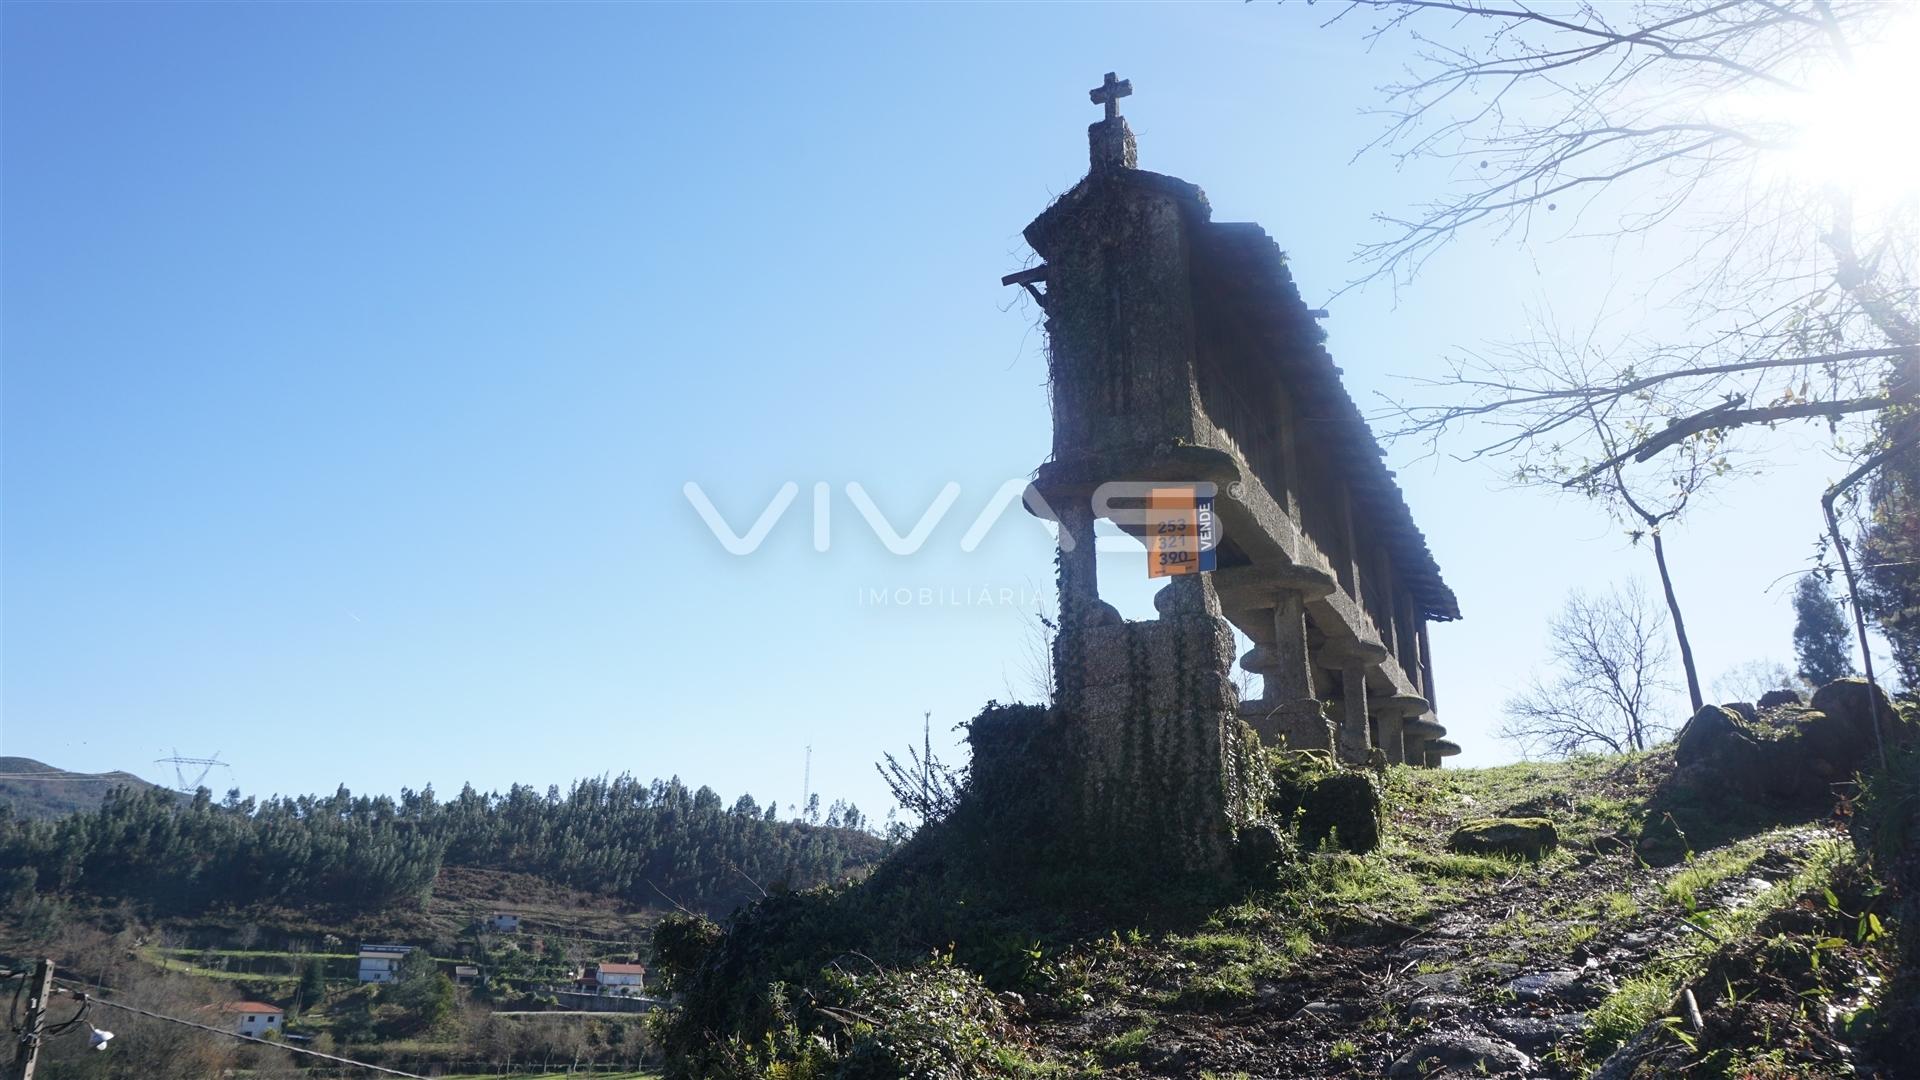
466,974
503,922
618,978
381,963
252,1017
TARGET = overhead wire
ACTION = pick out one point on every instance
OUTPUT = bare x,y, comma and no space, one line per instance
86,999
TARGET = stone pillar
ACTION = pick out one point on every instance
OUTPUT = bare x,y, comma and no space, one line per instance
1287,708
1354,659
1290,462
1356,741
1079,574
1382,570
1350,559
1388,737
1426,660
1289,678
1259,661
1418,731
1390,716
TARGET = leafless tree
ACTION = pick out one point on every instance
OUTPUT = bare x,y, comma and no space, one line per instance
1750,679
1034,665
1612,656
1621,120
1647,502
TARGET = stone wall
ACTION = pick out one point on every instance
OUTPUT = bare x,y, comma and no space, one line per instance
1169,771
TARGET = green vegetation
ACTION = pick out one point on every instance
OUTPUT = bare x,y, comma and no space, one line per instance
1644,998
1704,872
1105,975
1512,837
356,853
1127,1045
419,1003
551,1076
984,883
976,950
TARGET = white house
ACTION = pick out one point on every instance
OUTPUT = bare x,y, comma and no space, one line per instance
381,963
503,922
253,1017
619,978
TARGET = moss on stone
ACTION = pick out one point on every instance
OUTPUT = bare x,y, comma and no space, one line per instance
1522,837
1343,808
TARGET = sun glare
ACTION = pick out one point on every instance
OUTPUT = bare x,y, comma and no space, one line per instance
1855,129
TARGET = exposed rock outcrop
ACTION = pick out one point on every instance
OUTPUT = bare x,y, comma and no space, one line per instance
1459,1054
1790,751
1773,699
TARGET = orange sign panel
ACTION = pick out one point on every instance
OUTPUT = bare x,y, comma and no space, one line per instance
1180,531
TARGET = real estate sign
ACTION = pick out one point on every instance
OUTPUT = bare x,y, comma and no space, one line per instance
1181,530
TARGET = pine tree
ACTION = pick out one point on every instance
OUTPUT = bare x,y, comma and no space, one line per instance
1821,641
313,986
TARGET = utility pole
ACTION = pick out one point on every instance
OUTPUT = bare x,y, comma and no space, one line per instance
28,1052
806,785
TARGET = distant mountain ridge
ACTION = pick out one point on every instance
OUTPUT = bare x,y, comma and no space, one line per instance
35,789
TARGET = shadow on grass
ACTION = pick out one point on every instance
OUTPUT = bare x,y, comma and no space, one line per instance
1684,817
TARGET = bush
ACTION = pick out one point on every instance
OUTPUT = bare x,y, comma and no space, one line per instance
681,944
1886,829
936,1020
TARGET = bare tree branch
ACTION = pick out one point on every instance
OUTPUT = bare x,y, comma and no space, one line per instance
1612,655
1647,111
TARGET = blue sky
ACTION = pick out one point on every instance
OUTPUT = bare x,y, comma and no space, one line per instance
356,358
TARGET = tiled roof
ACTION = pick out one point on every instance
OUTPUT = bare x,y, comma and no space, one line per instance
1244,262
1242,257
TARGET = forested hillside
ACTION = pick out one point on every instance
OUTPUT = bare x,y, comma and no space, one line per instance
642,841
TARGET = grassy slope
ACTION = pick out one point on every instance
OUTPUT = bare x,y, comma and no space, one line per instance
1321,977
1349,963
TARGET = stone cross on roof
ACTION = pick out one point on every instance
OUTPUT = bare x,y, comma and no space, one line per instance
1109,93
1110,142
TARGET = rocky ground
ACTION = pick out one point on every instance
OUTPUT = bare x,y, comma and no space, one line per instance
1703,909
1447,965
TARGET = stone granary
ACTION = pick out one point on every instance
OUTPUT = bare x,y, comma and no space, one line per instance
1180,352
